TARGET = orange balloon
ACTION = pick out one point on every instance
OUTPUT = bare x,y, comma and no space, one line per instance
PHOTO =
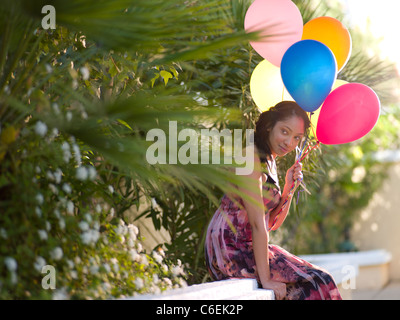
333,34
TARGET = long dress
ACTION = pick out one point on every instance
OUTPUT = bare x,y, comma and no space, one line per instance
229,252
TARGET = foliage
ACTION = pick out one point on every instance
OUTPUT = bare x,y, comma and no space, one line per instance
75,104
58,209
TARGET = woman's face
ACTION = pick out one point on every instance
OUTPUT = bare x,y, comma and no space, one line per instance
286,135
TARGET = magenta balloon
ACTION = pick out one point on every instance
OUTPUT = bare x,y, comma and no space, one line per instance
280,23
348,113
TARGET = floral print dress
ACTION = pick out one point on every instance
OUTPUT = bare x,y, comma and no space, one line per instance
229,252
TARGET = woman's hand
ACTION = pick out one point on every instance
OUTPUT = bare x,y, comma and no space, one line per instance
278,287
293,174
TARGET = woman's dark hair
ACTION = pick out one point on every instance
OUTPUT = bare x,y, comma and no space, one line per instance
267,120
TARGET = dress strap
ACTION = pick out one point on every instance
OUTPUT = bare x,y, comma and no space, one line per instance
270,180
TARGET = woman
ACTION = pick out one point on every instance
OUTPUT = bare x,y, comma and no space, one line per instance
237,237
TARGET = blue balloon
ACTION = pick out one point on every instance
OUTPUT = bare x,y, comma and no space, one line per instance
308,71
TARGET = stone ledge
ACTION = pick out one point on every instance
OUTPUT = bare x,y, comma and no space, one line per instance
232,289
371,268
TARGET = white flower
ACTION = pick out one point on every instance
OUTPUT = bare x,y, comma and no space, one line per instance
66,151
49,69
11,264
90,236
53,188
57,213
176,270
133,231
92,173
50,175
81,173
143,260
74,274
70,207
61,223
70,264
168,282
39,263
38,212
85,73
107,267
60,294
77,153
42,234
58,175
40,128
39,198
111,189
69,116
139,283
3,233
54,133
130,243
84,226
66,188
157,257
56,253
94,269
134,255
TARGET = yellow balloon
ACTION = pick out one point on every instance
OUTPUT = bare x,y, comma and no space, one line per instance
266,86
333,34
314,117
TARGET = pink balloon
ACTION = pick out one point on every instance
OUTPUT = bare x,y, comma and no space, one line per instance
280,21
348,113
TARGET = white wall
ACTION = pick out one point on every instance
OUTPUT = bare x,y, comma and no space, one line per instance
378,225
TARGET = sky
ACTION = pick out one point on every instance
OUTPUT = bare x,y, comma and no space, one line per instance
384,22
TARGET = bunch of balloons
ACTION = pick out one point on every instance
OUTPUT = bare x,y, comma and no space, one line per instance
301,64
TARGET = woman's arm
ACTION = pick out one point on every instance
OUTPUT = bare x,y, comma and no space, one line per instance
292,175
256,215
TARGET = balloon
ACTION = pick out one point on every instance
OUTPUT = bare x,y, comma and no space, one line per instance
308,72
348,113
280,23
333,34
314,117
266,86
